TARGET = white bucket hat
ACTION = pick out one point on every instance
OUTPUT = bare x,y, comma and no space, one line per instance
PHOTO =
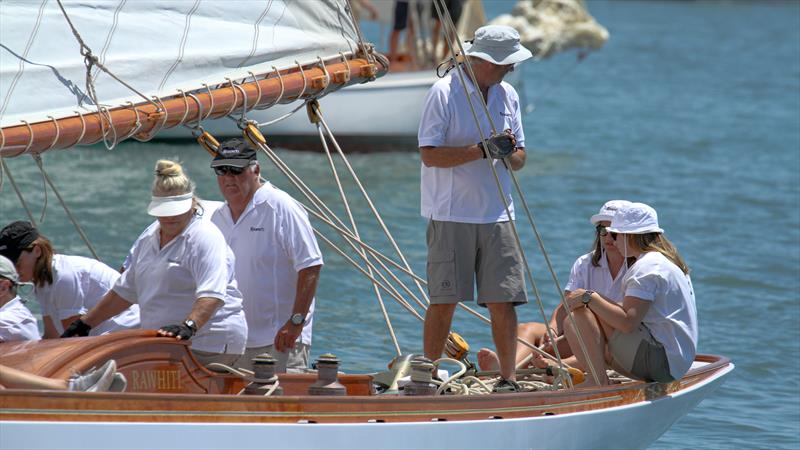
7,270
635,218
498,44
608,210
170,206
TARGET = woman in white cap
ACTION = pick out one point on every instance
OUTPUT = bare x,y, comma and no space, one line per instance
16,320
181,275
65,286
601,271
652,336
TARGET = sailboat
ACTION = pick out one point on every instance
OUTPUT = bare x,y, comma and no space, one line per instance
78,73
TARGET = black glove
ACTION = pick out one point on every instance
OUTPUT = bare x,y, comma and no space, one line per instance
499,146
181,331
76,328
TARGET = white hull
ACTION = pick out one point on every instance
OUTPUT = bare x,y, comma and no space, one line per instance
388,107
632,426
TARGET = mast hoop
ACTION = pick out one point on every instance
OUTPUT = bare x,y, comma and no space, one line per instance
58,133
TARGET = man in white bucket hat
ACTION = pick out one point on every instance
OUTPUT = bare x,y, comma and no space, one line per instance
469,230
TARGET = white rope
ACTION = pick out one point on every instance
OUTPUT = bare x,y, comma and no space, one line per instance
354,227
366,196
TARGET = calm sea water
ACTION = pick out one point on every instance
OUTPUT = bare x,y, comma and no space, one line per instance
692,107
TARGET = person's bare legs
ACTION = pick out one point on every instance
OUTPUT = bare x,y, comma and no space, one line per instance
530,332
504,334
437,326
593,336
18,379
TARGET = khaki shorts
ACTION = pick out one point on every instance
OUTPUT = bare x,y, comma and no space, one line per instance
461,253
295,360
638,355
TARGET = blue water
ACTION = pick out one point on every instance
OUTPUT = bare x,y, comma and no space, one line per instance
692,107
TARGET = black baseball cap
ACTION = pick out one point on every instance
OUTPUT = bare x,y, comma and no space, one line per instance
16,237
235,153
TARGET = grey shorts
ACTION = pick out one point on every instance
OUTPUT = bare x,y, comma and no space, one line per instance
461,253
638,355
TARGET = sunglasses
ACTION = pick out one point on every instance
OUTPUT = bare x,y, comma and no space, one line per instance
224,170
601,230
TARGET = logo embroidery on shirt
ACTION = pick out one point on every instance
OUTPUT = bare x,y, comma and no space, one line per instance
256,228
446,284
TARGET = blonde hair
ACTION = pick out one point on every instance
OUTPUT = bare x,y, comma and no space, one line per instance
171,180
657,242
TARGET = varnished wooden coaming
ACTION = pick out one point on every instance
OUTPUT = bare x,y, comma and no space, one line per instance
207,396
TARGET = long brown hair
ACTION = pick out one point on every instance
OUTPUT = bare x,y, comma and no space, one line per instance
657,242
43,269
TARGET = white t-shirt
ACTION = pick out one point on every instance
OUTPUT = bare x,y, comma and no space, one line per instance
166,282
466,193
272,241
586,276
17,322
672,316
78,284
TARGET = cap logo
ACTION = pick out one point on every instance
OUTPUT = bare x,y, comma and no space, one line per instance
229,151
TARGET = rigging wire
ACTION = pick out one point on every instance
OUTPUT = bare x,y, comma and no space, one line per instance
21,198
354,227
38,159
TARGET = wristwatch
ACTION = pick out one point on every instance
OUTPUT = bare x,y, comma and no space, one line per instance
297,319
586,297
191,324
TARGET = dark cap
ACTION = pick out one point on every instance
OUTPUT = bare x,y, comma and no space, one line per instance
16,237
234,152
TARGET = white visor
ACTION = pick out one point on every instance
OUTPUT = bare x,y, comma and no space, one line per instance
170,206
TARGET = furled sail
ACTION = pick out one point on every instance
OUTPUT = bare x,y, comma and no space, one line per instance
547,27
161,49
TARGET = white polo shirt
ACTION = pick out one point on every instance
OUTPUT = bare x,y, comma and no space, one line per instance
207,208
78,284
466,193
166,282
272,241
17,322
672,317
586,276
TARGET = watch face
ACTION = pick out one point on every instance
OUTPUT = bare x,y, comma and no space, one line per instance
297,319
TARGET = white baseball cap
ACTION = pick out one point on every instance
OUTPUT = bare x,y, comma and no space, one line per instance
7,270
608,210
498,44
635,218
170,206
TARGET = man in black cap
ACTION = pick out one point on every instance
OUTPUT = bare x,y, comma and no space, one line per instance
277,257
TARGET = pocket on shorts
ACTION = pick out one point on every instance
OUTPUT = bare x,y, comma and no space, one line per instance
441,273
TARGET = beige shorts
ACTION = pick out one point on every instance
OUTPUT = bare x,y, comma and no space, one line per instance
638,355
295,360
459,254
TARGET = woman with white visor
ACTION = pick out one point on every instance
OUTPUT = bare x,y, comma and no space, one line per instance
652,335
601,271
181,275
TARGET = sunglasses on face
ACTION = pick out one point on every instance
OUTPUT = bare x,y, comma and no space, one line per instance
224,170
601,230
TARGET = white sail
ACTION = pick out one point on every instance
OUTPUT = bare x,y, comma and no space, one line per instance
155,46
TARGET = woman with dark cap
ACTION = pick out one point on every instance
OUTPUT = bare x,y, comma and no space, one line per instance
65,286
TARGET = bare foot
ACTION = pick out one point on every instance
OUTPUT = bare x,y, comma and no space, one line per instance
487,360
